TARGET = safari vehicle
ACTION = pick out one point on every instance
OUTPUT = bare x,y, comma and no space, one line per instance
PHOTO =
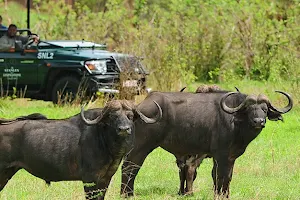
51,69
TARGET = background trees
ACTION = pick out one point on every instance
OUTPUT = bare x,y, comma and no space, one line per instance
184,40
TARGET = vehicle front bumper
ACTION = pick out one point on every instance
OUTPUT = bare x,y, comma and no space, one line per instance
111,84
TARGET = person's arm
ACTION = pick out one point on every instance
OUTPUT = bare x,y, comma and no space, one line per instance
25,39
4,44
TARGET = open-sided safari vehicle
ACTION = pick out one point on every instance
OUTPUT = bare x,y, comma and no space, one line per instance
50,69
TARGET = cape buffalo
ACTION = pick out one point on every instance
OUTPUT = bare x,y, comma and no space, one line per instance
188,164
214,124
76,148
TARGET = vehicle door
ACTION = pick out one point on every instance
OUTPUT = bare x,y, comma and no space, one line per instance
19,69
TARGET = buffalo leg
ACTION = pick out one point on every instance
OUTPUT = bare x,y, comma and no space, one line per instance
182,176
190,177
188,172
6,175
222,174
130,168
180,161
191,172
95,191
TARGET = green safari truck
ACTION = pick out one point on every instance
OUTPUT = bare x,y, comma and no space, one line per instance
49,69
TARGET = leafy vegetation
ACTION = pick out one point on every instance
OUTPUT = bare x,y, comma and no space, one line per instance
183,40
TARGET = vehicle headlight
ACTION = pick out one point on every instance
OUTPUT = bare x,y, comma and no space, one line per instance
96,66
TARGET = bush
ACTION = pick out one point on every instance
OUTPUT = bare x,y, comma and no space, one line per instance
186,40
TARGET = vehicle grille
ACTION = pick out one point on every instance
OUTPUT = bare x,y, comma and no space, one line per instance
112,67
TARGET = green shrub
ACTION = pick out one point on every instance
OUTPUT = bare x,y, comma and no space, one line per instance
186,40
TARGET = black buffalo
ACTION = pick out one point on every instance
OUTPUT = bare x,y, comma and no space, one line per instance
87,147
214,124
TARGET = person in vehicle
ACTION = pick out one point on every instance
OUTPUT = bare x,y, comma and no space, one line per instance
9,40
1,25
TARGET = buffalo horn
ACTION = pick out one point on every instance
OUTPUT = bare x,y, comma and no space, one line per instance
150,120
281,111
182,89
91,122
225,108
237,89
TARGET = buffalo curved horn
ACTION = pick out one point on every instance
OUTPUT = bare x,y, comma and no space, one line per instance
91,122
225,108
283,110
150,120
182,89
237,89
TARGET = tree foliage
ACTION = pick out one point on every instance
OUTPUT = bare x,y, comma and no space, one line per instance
186,40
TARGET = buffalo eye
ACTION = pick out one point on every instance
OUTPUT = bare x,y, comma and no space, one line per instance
130,116
265,110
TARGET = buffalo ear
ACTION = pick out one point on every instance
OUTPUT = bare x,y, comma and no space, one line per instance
274,116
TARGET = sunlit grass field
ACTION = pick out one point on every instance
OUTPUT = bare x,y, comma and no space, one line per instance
269,169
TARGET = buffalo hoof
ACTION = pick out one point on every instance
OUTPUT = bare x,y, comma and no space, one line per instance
126,194
185,193
189,193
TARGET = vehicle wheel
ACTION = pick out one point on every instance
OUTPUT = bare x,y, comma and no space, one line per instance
65,90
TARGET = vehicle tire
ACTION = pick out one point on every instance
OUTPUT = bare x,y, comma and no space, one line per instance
65,89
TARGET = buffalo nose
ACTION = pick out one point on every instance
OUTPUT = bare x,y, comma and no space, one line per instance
125,129
259,121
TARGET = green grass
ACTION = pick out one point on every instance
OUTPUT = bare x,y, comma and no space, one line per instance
269,169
